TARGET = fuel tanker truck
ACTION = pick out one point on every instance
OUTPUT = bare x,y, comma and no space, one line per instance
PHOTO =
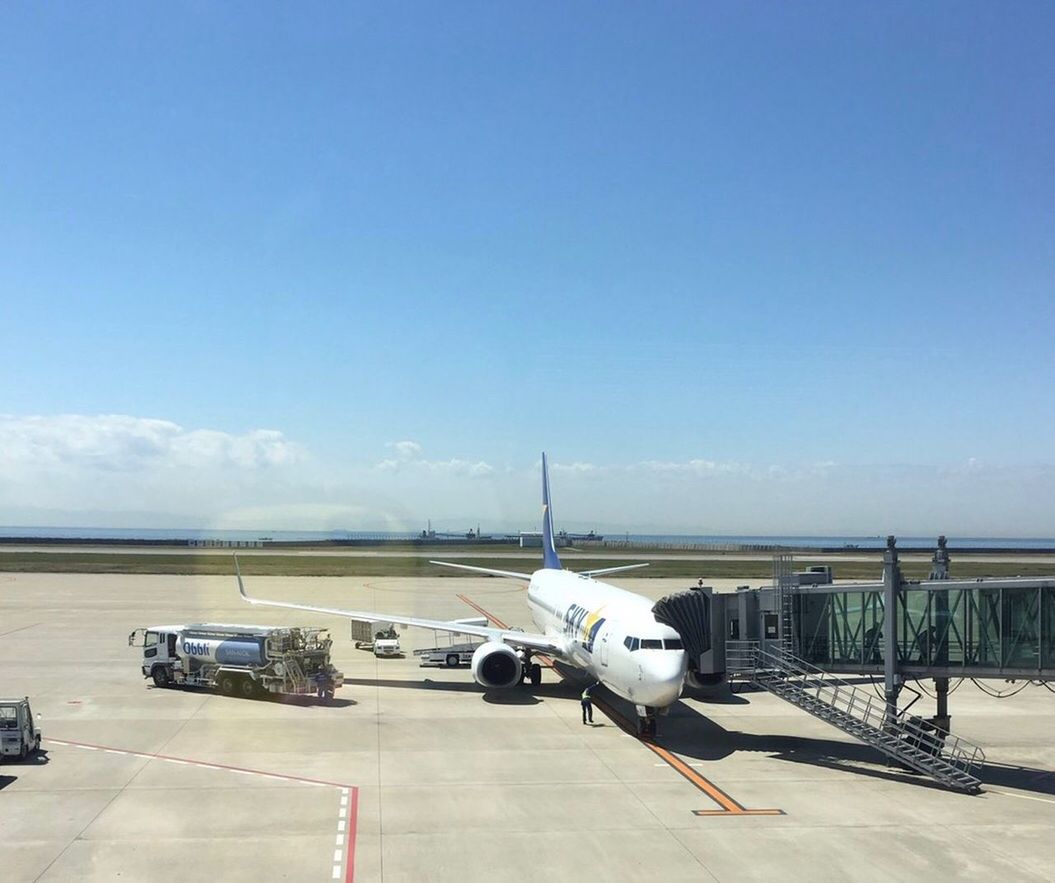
238,660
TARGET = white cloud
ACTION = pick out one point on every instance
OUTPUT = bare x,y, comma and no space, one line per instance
696,467
121,470
406,450
408,459
454,466
576,468
119,443
72,463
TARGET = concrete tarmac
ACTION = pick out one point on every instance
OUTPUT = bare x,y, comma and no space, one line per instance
416,774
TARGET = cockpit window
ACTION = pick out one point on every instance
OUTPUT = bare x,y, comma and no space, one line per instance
633,644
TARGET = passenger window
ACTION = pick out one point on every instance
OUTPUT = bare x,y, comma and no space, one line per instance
151,639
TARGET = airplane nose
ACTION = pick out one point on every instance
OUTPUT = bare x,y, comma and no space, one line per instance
665,676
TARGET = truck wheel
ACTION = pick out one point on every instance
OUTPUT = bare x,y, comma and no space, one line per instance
536,674
226,685
160,676
247,688
452,660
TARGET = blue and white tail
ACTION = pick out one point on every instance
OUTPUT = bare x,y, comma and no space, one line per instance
550,559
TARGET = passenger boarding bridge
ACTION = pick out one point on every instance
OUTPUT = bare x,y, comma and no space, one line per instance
796,640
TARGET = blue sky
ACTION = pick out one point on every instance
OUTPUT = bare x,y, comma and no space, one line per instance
776,251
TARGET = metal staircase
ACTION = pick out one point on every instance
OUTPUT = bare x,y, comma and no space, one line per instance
911,741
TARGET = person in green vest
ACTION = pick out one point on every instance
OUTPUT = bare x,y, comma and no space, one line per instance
587,703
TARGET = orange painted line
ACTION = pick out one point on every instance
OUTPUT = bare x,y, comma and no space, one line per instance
490,616
729,806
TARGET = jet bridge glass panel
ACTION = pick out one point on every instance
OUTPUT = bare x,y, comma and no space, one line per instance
978,630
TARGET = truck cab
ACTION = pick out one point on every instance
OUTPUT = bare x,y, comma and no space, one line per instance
19,735
159,653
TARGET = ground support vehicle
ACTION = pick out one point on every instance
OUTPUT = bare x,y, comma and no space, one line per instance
244,660
379,637
452,655
19,735
449,655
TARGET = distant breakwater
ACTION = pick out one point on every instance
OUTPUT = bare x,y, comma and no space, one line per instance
631,545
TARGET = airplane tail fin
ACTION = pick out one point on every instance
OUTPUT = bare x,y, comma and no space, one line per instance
550,559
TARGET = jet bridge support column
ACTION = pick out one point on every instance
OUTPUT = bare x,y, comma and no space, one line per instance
891,584
941,718
939,570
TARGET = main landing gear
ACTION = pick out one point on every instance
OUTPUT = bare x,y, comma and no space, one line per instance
530,671
647,720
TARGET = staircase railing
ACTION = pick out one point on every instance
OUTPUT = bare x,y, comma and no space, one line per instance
864,715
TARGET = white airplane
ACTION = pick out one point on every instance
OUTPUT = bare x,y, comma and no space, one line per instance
603,630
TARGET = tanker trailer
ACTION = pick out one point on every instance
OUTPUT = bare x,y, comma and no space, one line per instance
243,660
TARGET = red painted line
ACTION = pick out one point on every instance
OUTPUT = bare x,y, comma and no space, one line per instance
353,791
208,764
353,824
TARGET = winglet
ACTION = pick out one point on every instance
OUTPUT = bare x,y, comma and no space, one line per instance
241,588
550,559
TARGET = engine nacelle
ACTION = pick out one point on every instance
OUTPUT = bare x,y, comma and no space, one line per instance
496,665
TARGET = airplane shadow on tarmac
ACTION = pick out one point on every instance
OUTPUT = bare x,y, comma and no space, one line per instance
687,732
7,780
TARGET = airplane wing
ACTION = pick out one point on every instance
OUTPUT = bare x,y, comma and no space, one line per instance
605,570
512,574
540,643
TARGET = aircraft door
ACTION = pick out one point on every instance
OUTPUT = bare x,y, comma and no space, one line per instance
604,649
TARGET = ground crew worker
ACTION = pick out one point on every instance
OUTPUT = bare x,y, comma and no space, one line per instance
323,685
587,703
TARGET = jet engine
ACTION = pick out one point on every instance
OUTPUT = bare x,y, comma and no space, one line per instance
496,665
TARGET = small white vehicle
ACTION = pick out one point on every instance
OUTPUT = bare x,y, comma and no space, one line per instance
19,735
379,637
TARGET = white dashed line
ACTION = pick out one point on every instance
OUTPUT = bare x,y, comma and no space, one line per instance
342,823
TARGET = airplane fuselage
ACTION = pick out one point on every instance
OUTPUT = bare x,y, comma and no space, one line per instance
610,633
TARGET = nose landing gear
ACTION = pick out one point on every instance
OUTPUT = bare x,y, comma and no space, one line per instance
647,720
